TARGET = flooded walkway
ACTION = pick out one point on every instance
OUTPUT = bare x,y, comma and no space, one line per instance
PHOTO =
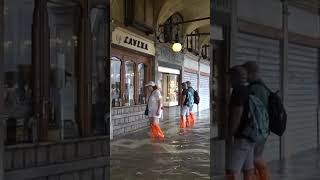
303,166
183,155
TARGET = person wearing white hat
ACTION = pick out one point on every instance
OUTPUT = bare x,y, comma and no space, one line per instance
154,110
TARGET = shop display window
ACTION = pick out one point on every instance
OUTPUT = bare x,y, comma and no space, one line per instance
63,87
115,82
17,68
170,89
129,73
129,84
141,94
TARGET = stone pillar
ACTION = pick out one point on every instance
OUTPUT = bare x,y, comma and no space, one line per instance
224,13
284,69
198,83
84,83
2,128
41,68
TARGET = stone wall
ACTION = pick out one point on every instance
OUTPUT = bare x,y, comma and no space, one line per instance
128,119
170,113
85,158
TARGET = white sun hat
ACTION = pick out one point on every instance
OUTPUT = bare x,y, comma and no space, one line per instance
150,83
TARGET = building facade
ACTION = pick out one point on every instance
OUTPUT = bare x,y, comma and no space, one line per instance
141,51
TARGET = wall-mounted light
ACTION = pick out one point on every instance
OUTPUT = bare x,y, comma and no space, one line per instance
177,46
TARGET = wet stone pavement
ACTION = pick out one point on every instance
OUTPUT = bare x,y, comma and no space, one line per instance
304,166
183,154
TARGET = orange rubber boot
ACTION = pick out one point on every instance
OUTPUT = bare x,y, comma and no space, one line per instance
156,132
189,121
182,122
262,172
193,117
251,176
230,177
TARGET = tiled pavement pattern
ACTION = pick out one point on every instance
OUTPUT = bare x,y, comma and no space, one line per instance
304,166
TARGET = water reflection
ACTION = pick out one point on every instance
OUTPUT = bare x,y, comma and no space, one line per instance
183,155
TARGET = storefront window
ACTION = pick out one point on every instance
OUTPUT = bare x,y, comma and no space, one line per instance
63,46
141,69
115,82
129,85
99,92
18,70
129,73
170,89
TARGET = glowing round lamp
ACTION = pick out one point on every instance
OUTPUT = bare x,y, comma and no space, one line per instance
176,47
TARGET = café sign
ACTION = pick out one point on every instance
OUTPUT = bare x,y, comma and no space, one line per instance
125,38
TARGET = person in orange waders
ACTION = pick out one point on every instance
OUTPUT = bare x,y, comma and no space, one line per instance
258,88
240,149
192,117
154,110
184,108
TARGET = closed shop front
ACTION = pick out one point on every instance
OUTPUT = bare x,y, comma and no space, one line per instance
266,52
131,67
192,77
302,98
190,72
204,93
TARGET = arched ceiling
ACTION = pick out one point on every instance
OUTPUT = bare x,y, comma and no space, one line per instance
189,9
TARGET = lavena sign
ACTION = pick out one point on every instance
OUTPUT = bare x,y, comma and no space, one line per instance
125,38
133,42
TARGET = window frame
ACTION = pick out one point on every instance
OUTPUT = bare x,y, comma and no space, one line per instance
140,86
41,73
125,55
113,58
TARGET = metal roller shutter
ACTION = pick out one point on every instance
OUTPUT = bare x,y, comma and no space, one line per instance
193,78
204,93
266,52
302,99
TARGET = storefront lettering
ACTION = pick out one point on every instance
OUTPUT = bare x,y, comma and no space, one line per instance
136,43
127,39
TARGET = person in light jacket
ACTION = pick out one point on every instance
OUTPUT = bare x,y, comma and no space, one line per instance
154,110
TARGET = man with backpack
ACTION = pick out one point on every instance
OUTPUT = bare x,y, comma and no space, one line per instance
240,137
184,119
258,89
194,97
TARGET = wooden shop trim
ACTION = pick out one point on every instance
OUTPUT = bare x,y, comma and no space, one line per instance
259,29
190,70
205,74
304,40
150,37
196,72
276,33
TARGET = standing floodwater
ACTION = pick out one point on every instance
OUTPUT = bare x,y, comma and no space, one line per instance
184,154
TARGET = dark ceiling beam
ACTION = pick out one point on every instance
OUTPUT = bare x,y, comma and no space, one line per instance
184,22
198,34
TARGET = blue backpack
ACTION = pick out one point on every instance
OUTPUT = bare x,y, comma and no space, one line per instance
257,128
190,97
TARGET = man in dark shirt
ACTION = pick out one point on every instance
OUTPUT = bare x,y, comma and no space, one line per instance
240,150
184,108
258,88
192,117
